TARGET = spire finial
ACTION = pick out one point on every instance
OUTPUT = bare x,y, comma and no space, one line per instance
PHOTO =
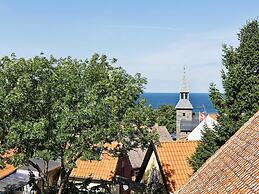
184,73
184,86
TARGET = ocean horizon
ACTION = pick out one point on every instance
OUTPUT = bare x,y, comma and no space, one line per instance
200,101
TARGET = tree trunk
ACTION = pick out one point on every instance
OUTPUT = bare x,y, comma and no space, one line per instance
64,175
61,177
45,177
63,181
61,188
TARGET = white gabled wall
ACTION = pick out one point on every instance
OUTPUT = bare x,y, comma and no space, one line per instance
196,133
152,163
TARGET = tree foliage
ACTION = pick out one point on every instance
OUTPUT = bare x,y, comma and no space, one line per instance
62,108
165,115
205,149
240,80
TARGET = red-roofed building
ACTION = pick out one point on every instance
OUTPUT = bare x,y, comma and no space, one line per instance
234,168
104,170
167,163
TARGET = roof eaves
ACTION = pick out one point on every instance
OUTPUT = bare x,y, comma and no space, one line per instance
7,174
81,178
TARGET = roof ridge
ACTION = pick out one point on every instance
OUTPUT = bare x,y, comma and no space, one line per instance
179,141
214,156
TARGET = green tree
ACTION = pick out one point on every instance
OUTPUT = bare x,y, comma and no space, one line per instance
2,136
63,108
205,149
165,115
240,79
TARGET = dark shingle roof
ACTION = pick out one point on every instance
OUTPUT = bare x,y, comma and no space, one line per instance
188,126
234,168
164,135
136,156
14,181
52,165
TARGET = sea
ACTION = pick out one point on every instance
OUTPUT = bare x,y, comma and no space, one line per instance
200,101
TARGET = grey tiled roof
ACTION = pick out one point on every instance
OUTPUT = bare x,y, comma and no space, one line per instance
136,156
13,181
164,135
39,162
188,126
233,168
184,104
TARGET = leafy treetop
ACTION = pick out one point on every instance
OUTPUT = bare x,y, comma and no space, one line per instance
240,79
63,108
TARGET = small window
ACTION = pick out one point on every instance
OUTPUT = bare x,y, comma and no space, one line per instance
98,150
154,175
182,96
184,114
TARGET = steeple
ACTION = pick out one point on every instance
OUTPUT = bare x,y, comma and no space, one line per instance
184,109
184,102
184,85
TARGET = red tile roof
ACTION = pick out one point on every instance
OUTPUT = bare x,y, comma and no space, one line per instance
8,167
172,156
234,168
103,169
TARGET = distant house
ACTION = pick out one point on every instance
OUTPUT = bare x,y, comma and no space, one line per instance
167,164
53,170
103,171
17,180
234,168
137,155
196,133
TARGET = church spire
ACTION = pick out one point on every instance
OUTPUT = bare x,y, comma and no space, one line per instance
184,102
184,109
184,85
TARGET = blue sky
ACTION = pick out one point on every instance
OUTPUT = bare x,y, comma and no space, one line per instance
153,37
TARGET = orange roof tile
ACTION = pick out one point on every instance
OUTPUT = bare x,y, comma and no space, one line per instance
173,156
234,168
8,167
214,116
103,169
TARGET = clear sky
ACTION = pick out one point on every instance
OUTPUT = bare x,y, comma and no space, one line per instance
153,37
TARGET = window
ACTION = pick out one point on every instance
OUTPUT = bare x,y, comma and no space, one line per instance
184,114
154,175
185,95
98,150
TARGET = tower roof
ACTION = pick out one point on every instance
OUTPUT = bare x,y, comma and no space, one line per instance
184,104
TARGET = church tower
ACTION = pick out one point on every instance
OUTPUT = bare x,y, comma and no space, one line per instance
183,107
